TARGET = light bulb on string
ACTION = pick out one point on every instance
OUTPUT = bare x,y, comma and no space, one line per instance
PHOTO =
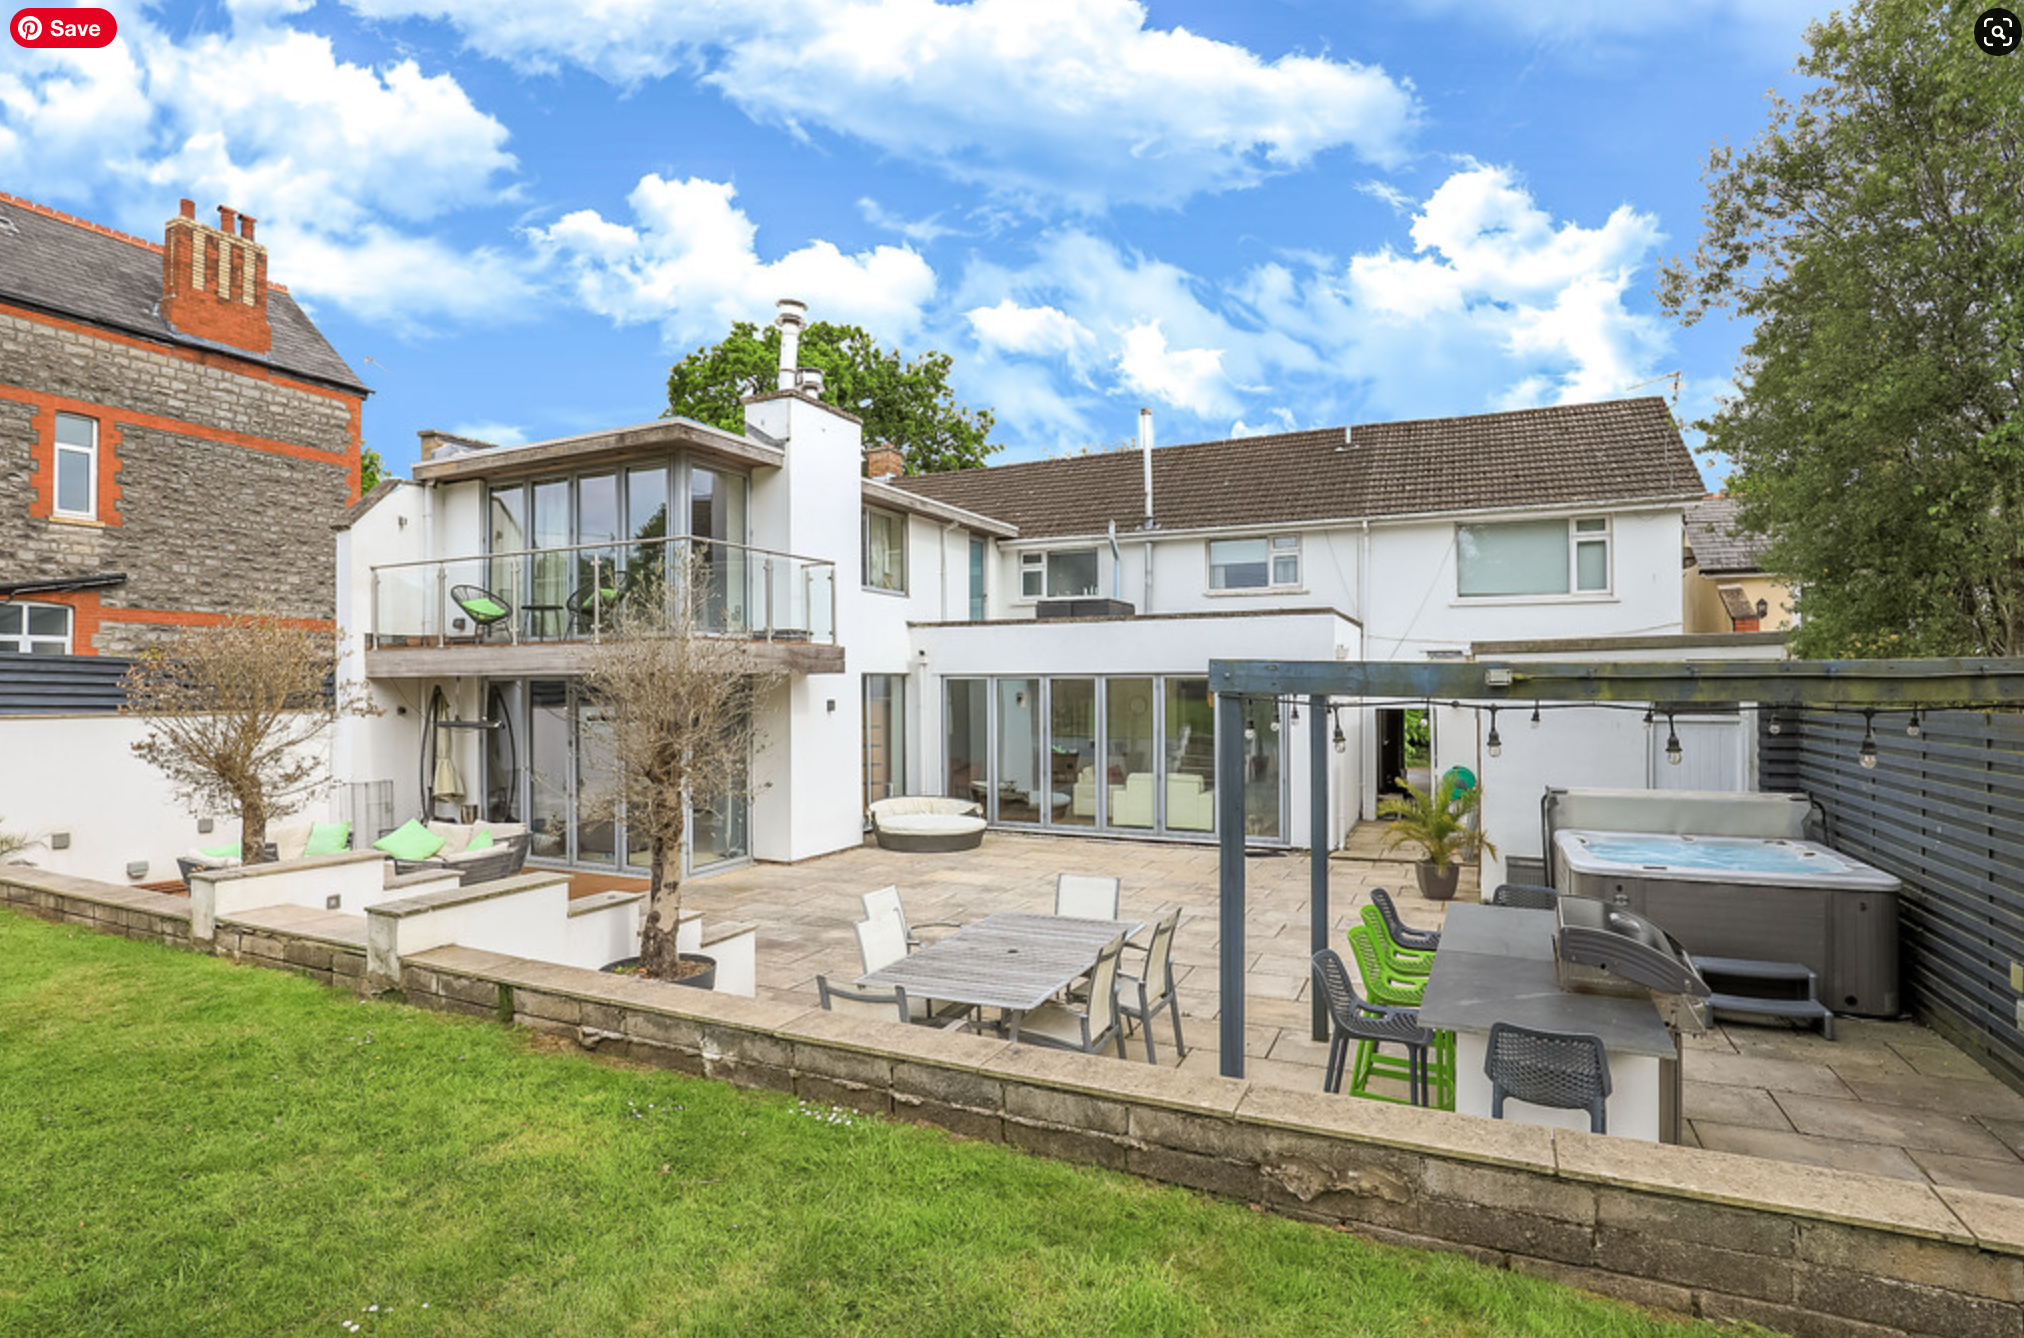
1866,754
1496,744
1296,715
1275,724
1672,742
1775,725
1341,740
1535,715
1912,729
1250,732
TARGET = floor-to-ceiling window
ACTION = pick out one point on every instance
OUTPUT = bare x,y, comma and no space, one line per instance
1131,750
550,766
1127,755
885,736
1071,747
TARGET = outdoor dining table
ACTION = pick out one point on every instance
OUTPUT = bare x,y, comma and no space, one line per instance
1012,960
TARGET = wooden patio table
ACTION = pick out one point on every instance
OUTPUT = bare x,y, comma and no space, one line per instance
1013,960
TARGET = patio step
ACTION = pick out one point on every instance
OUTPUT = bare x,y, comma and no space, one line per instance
1794,976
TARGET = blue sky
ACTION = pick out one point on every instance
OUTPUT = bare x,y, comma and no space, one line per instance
510,216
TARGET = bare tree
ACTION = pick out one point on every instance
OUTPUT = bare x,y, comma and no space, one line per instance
676,700
235,713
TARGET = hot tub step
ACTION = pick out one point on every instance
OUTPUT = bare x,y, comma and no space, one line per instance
1799,1006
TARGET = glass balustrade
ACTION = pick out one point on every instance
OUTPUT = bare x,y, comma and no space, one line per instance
576,592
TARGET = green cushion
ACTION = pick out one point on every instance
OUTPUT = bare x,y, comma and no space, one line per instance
480,607
409,841
481,839
328,838
220,852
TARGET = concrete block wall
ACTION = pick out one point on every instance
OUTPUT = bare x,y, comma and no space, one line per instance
1811,1251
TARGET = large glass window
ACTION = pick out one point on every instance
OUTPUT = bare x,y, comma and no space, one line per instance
1131,750
76,466
1069,573
885,736
977,551
717,511
549,765
1532,557
966,739
1022,788
885,551
1072,750
1254,564
1191,756
34,629
548,610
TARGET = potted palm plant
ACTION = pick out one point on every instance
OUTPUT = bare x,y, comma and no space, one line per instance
1439,824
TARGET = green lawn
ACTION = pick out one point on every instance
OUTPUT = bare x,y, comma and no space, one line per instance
196,1148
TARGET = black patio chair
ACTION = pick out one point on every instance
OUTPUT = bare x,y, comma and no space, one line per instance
1370,1025
1566,1070
1525,896
1403,934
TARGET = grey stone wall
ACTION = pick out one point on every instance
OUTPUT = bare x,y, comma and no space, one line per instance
204,526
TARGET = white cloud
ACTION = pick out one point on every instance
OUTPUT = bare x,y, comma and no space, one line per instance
1071,101
922,231
1011,328
1187,378
689,261
268,119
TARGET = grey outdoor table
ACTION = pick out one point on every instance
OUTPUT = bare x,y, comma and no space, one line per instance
1495,964
1012,960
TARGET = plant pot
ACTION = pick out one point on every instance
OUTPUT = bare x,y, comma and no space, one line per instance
1437,884
706,979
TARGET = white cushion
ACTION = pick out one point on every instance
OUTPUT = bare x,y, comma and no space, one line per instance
924,823
456,836
202,861
290,839
905,805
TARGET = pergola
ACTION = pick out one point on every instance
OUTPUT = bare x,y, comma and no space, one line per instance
1848,684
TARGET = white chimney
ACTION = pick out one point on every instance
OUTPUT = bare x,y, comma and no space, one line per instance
793,315
1146,457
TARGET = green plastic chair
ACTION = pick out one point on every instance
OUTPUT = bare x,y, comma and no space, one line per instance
1389,988
1398,960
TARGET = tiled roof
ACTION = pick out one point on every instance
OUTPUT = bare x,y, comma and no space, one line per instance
1619,450
59,264
1718,545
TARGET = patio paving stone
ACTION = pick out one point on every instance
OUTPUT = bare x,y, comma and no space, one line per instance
1954,1095
1750,1107
1783,1075
1906,1126
1839,1154
1956,1172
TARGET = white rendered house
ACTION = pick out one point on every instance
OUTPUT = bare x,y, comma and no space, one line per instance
1034,637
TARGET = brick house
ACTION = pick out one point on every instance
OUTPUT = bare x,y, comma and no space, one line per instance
176,437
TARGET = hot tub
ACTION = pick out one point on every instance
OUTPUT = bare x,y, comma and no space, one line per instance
1772,898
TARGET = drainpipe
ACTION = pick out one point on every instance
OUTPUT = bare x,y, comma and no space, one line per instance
1146,459
942,546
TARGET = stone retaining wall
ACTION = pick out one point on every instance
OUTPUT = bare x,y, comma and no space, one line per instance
1811,1251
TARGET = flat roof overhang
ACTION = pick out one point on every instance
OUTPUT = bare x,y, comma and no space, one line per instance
563,659
508,463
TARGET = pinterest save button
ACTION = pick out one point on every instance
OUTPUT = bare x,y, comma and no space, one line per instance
63,27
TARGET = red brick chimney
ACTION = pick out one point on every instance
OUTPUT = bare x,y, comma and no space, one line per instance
214,280
884,461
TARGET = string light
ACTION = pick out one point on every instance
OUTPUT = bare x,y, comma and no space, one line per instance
1672,741
1535,715
1648,714
1867,753
1296,715
1912,729
1341,740
1776,726
1496,743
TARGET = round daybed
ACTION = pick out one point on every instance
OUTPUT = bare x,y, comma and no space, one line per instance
925,825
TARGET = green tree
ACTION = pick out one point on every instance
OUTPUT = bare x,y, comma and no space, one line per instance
1875,235
908,404
371,469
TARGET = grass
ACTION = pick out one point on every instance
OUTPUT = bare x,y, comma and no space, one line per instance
198,1148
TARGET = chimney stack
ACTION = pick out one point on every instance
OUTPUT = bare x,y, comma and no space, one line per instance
793,315
884,461
1146,457
214,280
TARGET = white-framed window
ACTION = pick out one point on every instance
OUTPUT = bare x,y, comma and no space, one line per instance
1254,564
885,550
34,629
76,466
1065,573
1533,557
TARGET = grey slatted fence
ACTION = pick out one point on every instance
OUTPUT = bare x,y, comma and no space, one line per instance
1944,812
61,684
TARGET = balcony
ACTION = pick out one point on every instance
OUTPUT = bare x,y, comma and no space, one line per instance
532,611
